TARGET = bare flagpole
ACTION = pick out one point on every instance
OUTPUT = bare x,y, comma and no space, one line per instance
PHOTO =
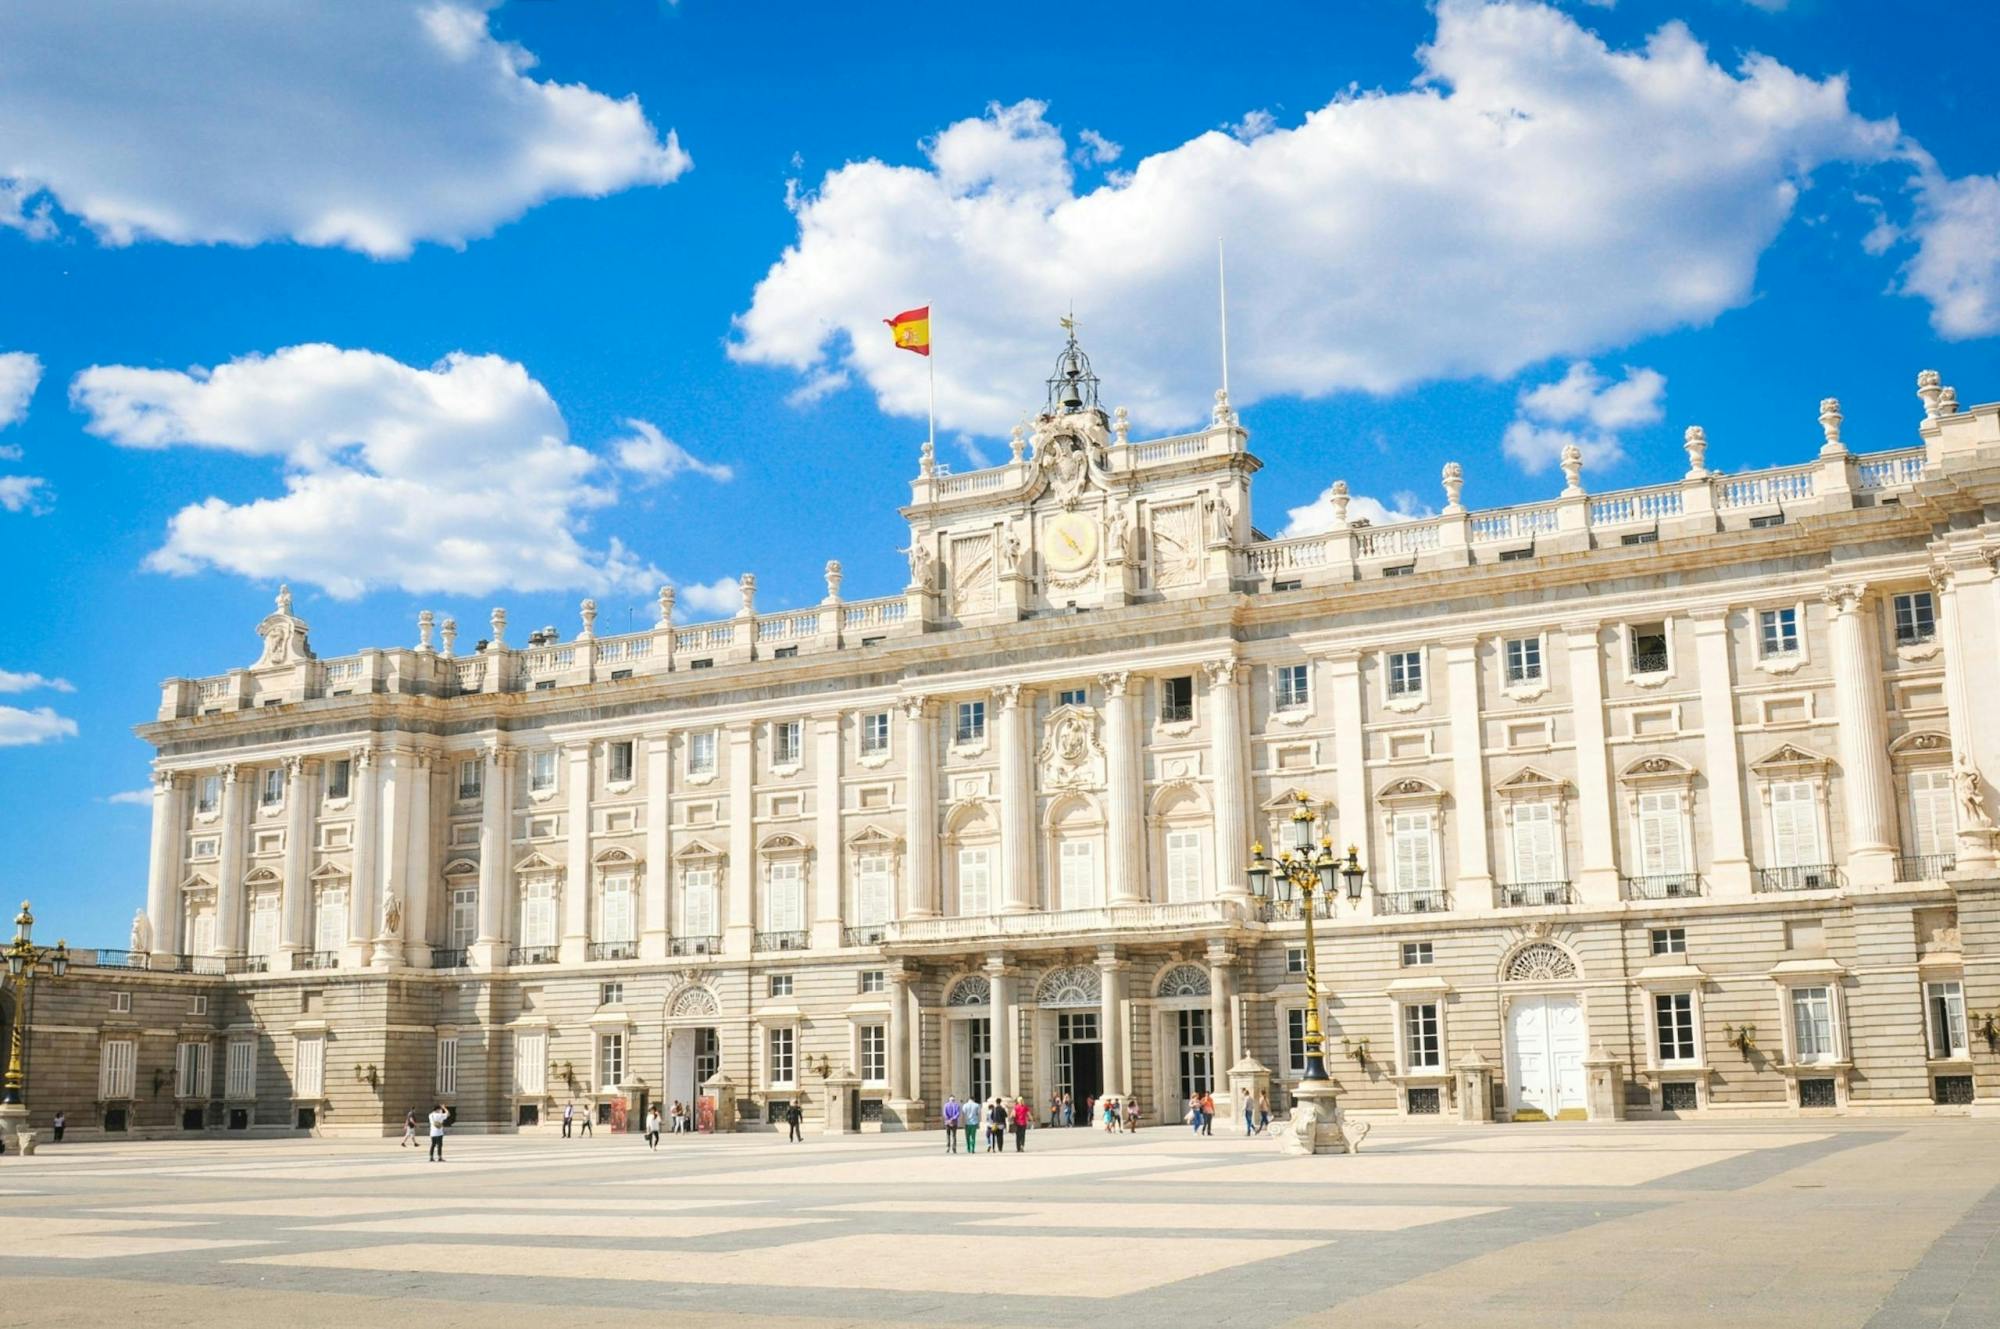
1222,300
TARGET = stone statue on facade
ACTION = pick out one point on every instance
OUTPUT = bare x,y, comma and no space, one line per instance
921,566
142,932
1970,789
392,914
1010,553
1117,536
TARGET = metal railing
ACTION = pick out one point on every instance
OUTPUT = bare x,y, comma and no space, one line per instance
1292,910
316,960
1662,886
1808,877
531,955
1412,902
1649,662
448,957
1924,867
779,941
1534,894
246,964
612,950
105,957
706,945
872,935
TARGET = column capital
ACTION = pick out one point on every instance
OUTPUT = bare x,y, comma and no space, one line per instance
1464,641
1012,695
1710,616
166,782
1844,598
1115,682
999,966
1223,673
1109,960
918,707
497,752
1219,953
1581,631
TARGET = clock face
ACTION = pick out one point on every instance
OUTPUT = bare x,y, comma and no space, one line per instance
1071,542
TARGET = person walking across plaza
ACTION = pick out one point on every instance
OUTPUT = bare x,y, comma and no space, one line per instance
1249,1112
583,1119
60,1124
653,1126
1068,1111
1263,1111
1022,1115
409,1130
792,1119
440,1118
569,1119
951,1114
1207,1113
1131,1115
996,1126
1194,1112
968,1119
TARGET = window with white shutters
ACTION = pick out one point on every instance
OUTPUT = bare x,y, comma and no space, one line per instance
701,753
447,1077
309,1067
784,897
464,916
615,921
871,890
1812,1025
117,1068
531,1061
201,934
263,923
538,911
240,1068
191,1079
330,920
1662,844
1537,856
974,881
698,902
1415,862
1933,818
1183,866
1795,824
1945,1005
1077,861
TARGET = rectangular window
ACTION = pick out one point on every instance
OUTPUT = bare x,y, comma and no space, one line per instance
208,794
538,911
200,1006
1933,812
701,753
1945,1002
1669,941
618,762
610,1060
615,922
1537,853
875,734
1073,697
874,980
871,890
974,881
264,923
309,1067
610,994
531,1062
1916,618
1778,632
1416,953
1524,660
330,920
121,1003
339,775
786,739
782,1074
447,1075
542,771
117,1068
874,1054
1795,824
781,985
470,774
191,1065
698,902
240,1068
1077,874
464,916
1812,1026
1177,699
1673,1023
271,789
1295,959
971,726
1294,687
1406,673
785,897
1183,866
1662,846
1422,1050
1649,648
1415,863
1295,1041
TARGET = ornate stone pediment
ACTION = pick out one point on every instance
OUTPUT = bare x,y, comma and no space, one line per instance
1072,757
284,635
1790,760
1531,783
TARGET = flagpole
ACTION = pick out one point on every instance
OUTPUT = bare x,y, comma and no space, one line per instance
1222,299
930,363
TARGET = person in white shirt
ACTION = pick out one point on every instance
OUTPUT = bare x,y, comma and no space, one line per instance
440,1118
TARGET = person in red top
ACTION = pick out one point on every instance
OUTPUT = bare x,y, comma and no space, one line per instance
1021,1115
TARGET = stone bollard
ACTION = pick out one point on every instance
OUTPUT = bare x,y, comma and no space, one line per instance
1255,1076
1475,1090
1606,1086
723,1090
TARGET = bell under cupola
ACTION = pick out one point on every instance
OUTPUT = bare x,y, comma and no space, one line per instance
1073,387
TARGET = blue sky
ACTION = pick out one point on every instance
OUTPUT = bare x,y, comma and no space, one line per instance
445,306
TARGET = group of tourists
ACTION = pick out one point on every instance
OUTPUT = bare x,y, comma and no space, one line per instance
997,1115
440,1117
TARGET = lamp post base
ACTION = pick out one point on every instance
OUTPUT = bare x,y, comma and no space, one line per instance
1317,1126
14,1125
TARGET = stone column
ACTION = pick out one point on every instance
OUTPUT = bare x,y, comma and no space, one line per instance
1124,857
1221,1033
1468,776
163,868
1006,1021
361,919
1350,763
1017,801
577,885
1111,979
1864,737
1966,621
899,1036
654,910
1232,790
920,896
294,908
496,876
1729,860
392,854
741,888
1597,883
229,889
830,855
421,876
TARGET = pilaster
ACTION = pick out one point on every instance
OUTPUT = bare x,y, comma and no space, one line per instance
1864,737
920,897
229,870
163,868
739,934
1017,801
421,876
1350,755
1232,793
574,947
1124,865
830,860
1468,776
654,909
496,876
1729,860
1597,883
301,801
361,911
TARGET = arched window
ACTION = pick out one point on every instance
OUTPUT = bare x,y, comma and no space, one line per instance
1540,962
972,990
1184,980
1072,985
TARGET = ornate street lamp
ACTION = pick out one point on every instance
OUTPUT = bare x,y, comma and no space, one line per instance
25,962
1307,868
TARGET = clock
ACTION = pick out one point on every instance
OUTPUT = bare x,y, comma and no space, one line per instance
1070,542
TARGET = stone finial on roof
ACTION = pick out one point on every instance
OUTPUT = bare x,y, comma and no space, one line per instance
1017,442
1696,445
1829,422
1121,424
498,642
1572,469
747,585
1929,388
449,636
666,606
425,621
589,611
1454,485
833,579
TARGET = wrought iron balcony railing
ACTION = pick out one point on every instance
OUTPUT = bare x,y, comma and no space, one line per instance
1924,867
700,945
1812,877
531,955
613,950
871,935
1534,894
1412,902
1663,886
780,941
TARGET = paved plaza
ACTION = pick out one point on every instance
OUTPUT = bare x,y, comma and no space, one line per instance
1879,1223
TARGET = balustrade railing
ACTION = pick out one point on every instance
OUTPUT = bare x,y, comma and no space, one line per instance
1815,877
1766,489
1296,555
706,637
886,612
1924,867
1402,538
779,941
612,950
1645,505
788,627
1412,902
1885,470
531,955
871,935
1534,894
1168,449
316,960
1662,886
697,945
1512,524
624,650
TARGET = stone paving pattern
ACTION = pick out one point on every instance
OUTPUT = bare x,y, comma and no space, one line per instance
1887,1224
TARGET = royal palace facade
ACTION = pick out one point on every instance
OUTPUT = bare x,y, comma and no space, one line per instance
1670,802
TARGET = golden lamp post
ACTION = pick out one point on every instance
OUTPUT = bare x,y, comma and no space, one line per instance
25,961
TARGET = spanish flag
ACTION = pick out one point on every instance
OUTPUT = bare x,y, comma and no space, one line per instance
912,330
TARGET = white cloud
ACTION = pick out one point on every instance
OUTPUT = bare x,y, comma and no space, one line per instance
13,682
19,493
1957,263
19,728
1585,409
456,478
654,457
816,387
1488,218
720,598
1318,515
1093,149
135,798
19,373
369,124
1253,126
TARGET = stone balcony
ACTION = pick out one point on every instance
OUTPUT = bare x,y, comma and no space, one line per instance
1065,927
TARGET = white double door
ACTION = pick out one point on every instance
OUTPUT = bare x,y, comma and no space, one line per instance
1545,1047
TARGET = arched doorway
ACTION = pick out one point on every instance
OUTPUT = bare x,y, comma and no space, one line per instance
1071,1002
1545,1034
694,1052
